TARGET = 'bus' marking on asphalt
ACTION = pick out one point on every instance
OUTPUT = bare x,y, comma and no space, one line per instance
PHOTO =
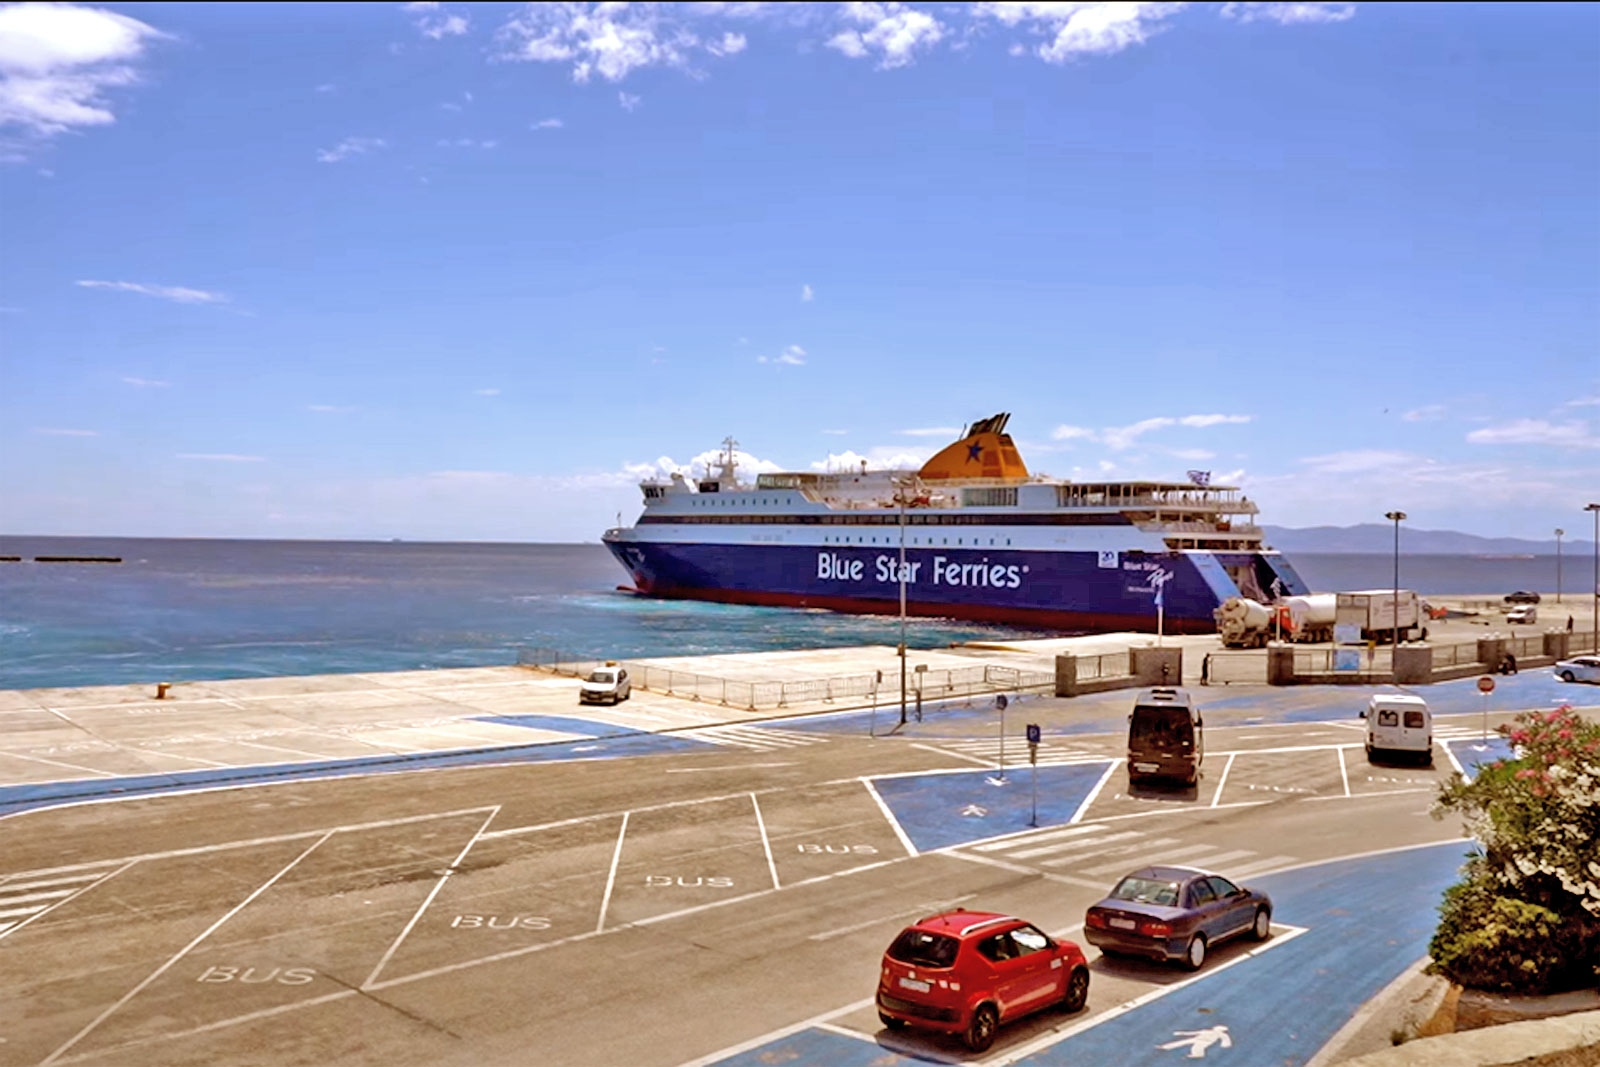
159,971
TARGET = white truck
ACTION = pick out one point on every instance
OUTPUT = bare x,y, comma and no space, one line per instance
1378,614
1246,623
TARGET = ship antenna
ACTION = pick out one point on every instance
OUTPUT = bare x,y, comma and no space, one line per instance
728,462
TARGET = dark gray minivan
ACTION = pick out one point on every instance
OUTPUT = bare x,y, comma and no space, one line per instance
1165,736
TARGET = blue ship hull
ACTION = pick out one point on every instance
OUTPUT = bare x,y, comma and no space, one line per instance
1055,590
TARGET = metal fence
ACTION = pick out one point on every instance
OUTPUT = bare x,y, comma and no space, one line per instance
1108,665
1245,668
857,688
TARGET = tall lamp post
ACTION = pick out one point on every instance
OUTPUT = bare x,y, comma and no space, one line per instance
1559,532
900,499
1397,517
1594,509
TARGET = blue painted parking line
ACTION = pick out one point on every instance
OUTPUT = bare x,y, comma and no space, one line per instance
942,810
818,1046
563,724
1471,755
16,798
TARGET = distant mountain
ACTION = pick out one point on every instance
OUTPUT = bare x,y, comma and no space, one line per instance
1377,537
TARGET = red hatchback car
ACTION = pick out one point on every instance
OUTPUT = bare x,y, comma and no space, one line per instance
966,972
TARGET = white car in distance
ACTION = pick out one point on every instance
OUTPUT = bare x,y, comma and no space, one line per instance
1579,669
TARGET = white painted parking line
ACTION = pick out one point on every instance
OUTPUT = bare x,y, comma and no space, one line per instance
956,755
724,767
1083,808
280,748
1223,780
925,908
77,886
58,763
190,947
1017,868
611,877
14,881
28,898
911,850
1118,864
448,871
1271,863
766,842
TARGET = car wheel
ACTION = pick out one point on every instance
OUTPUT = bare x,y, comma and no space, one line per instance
1077,990
1566,676
1263,925
891,1022
980,1032
1194,957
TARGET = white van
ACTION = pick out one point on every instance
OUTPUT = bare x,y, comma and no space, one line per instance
1399,725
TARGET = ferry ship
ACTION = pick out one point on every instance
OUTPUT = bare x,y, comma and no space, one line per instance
971,535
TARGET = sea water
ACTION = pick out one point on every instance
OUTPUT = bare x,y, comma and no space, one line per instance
176,610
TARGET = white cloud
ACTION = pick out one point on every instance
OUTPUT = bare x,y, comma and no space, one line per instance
1074,29
547,124
806,295
57,61
435,22
951,432
1121,438
221,457
176,293
629,101
486,392
876,459
146,383
836,433
350,146
326,87
611,39
1361,461
1583,401
1288,13
1191,454
1426,413
467,142
1537,432
891,30
330,409
793,356
52,432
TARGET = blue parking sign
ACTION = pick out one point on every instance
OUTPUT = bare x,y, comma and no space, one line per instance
1033,733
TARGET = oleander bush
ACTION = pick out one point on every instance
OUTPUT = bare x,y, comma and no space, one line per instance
1526,916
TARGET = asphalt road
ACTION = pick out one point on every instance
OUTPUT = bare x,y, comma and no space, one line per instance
710,903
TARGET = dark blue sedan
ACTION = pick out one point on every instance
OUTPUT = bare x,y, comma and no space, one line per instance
1175,913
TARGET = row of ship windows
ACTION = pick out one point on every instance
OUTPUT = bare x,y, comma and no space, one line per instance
909,541
913,519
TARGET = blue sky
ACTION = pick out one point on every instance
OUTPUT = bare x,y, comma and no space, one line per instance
465,272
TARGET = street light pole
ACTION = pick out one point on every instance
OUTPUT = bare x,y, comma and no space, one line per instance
1595,617
1396,517
900,498
1559,532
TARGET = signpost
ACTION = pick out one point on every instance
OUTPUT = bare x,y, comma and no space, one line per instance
1000,705
1033,761
1486,686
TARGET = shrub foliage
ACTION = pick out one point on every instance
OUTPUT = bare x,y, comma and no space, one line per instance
1526,917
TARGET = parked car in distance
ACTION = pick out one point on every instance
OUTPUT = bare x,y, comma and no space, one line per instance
606,685
1522,596
967,972
1166,912
1399,724
1579,669
1523,613
1165,736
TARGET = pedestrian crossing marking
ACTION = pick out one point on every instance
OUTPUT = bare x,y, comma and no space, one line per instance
758,738
24,899
1093,852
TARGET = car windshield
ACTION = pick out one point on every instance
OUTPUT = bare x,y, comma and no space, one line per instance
607,677
1146,890
924,949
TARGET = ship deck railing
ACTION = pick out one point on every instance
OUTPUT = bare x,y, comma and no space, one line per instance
863,690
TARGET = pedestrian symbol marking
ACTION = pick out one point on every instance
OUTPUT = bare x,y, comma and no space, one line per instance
1197,1041
973,809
